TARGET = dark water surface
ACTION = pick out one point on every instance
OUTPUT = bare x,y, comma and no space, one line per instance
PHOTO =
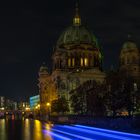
36,130
22,130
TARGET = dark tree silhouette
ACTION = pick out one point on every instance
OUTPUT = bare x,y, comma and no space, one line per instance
89,98
60,105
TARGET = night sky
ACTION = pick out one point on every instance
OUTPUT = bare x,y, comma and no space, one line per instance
29,31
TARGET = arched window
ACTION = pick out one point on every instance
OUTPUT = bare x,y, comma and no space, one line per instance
73,62
82,62
69,62
86,62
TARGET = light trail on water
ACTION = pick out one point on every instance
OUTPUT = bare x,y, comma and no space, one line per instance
108,131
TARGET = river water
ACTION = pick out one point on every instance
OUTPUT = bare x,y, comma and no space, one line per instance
35,130
22,130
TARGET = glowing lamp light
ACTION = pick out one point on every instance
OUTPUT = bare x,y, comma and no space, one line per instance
2,108
27,108
48,104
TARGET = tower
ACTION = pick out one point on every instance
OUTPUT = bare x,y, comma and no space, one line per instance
46,89
130,59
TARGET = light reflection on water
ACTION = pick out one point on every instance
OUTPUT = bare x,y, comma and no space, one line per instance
3,130
26,135
23,130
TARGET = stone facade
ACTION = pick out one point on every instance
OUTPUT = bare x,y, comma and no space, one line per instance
130,59
47,89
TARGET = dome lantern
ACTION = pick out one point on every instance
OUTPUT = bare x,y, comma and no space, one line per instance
43,69
77,18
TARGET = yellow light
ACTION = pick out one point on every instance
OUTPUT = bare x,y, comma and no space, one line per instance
77,20
81,61
69,62
22,112
86,62
48,127
2,108
38,105
48,104
37,135
27,108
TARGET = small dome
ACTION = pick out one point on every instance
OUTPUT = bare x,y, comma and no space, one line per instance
43,68
129,45
77,35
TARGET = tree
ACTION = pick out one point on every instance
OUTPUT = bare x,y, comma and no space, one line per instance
60,105
96,99
88,98
120,92
77,100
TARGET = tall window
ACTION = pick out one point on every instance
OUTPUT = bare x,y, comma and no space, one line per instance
69,62
82,62
73,62
86,62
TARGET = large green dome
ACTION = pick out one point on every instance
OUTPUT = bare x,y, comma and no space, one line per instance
77,35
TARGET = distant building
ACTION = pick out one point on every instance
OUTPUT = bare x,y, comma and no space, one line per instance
2,102
15,106
8,104
34,101
23,105
130,59
47,89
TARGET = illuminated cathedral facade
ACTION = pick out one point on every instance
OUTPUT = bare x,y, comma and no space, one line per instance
77,58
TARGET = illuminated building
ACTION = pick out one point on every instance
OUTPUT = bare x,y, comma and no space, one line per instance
47,90
34,101
77,58
2,102
7,104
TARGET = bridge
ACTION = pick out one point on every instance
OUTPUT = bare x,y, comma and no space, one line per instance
14,114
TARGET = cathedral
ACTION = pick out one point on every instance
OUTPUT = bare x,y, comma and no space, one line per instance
77,58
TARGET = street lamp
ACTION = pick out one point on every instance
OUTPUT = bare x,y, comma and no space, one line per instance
134,97
2,108
48,104
27,109
37,111
48,108
38,105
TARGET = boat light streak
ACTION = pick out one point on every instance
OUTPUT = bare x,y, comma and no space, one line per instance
109,131
99,133
74,135
56,135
